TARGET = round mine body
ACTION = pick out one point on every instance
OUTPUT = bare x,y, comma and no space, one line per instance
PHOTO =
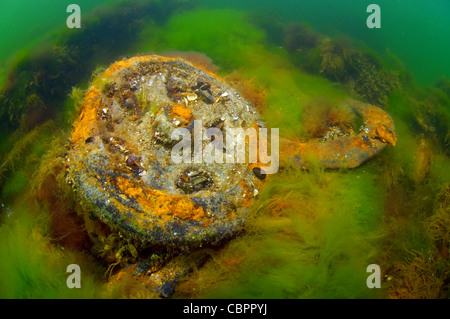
138,156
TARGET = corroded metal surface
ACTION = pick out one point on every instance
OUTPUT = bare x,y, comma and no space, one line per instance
120,153
349,151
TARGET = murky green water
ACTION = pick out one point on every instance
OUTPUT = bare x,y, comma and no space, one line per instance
312,233
417,32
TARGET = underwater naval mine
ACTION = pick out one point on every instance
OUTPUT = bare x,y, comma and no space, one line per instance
119,157
120,153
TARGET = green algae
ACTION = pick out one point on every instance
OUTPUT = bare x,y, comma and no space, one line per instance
223,35
312,234
15,184
34,268
312,239
24,146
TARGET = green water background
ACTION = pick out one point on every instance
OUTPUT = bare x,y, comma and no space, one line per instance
23,23
416,31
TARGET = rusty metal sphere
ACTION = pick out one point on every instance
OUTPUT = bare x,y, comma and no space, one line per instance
119,160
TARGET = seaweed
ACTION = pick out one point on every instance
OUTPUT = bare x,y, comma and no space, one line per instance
117,251
20,147
332,62
212,32
77,96
375,85
320,115
298,37
14,185
252,93
33,268
361,72
57,64
418,278
438,224
309,236
36,113
51,163
443,84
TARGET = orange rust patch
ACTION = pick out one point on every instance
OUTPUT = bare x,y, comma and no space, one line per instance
162,205
386,135
129,188
120,65
85,125
181,112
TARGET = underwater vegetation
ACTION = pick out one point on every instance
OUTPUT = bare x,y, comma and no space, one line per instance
321,114
299,244
47,73
362,73
311,233
33,267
